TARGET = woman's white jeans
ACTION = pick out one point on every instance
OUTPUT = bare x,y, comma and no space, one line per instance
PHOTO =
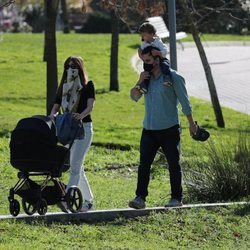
77,154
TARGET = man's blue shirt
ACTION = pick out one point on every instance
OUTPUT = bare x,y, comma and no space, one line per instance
161,102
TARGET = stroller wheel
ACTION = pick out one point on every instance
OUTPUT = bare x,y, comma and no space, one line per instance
74,199
14,207
42,207
29,208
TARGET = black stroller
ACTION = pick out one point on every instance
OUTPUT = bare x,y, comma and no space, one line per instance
35,153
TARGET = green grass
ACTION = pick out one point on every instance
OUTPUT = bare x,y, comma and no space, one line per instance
187,229
111,172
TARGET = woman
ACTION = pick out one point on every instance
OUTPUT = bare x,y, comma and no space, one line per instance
77,95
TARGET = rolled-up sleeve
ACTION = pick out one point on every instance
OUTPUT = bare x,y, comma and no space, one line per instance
181,93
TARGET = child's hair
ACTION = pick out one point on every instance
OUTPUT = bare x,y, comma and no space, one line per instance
148,28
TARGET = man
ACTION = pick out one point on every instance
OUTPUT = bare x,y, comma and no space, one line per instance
161,126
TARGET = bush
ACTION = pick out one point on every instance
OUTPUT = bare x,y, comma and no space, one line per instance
100,22
34,17
225,176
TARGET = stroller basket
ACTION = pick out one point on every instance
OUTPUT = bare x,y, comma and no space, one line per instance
31,191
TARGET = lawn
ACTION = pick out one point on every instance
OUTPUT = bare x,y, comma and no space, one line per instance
111,171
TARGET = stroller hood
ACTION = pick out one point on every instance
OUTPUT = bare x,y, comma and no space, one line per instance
38,128
33,146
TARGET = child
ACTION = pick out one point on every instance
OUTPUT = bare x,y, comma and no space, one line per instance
149,38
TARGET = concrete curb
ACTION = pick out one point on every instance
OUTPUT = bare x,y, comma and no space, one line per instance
107,215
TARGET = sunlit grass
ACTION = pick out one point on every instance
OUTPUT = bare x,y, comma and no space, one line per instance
111,172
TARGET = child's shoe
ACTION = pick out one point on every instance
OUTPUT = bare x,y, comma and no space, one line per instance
167,81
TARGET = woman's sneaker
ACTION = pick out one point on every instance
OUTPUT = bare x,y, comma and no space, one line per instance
138,203
86,206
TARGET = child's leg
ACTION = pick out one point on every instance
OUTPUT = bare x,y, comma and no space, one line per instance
165,66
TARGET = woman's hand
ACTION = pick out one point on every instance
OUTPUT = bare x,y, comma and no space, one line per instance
77,116
53,116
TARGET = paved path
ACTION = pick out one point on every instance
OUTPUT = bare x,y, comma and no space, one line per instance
230,65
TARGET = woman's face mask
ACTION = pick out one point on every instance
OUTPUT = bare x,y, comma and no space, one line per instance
72,74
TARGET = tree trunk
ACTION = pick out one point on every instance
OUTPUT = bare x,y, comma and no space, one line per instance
206,66
64,17
50,53
210,80
114,83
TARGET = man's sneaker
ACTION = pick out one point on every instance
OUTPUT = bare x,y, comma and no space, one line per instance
63,206
86,206
138,203
174,203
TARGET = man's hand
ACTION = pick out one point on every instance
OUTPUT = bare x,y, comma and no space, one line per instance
135,94
144,76
193,128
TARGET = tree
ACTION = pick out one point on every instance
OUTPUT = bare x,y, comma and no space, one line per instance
7,3
224,16
122,9
211,85
114,82
50,52
64,16
152,8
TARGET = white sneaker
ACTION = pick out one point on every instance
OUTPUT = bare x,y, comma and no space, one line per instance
174,203
86,206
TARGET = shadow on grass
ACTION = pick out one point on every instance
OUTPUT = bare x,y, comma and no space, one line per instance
242,210
27,98
114,167
134,46
113,146
102,91
5,133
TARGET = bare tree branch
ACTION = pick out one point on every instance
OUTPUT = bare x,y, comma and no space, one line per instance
7,3
237,18
214,10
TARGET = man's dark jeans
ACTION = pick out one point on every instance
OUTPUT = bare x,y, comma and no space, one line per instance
151,141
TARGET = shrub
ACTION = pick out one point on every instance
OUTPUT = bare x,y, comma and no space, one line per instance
226,174
100,22
34,17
